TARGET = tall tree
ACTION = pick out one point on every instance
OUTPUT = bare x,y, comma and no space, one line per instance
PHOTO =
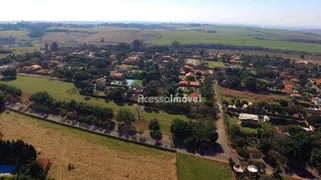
137,45
2,102
153,125
125,116
54,46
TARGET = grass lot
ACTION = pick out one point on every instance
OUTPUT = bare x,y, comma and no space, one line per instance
94,157
66,91
138,83
23,50
193,168
236,121
232,38
213,64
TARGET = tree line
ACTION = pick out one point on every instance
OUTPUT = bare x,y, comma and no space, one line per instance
79,111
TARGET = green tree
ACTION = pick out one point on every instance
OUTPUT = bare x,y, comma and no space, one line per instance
125,116
153,125
137,45
31,171
157,135
54,46
2,102
10,72
313,119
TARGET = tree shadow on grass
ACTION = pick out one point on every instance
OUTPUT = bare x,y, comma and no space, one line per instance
7,79
299,170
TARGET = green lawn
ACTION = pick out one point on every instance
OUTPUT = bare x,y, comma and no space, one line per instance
66,91
213,64
194,168
224,37
23,50
138,83
232,121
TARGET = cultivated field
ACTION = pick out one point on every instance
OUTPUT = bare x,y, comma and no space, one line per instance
66,91
193,168
189,37
109,36
94,157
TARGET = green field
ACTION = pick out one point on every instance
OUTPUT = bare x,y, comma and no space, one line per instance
213,64
66,91
193,168
229,36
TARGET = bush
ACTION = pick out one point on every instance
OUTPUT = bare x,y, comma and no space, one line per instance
243,152
87,98
256,154
142,139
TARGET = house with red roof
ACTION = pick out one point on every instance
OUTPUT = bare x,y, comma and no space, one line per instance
118,76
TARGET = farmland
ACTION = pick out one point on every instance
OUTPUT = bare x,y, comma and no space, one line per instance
93,156
66,91
192,168
188,37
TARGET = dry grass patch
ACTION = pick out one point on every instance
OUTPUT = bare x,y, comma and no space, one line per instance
94,157
246,95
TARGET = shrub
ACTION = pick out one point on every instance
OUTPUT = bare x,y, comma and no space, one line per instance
243,152
256,154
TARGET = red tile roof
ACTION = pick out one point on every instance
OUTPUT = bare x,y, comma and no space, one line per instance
190,74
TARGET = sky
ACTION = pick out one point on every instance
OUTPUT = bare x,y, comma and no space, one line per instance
286,13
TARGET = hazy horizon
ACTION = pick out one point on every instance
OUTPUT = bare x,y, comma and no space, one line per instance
270,13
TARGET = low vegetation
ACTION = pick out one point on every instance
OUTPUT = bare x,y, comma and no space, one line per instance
192,168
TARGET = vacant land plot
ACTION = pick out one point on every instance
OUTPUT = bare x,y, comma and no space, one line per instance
94,157
66,92
193,168
249,96
227,38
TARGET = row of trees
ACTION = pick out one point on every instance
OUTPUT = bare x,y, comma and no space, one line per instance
82,112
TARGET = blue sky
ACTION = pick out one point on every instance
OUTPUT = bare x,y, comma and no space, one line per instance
290,13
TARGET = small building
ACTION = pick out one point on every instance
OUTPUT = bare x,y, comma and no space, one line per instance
190,74
195,84
34,67
249,119
189,83
296,95
194,95
118,76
